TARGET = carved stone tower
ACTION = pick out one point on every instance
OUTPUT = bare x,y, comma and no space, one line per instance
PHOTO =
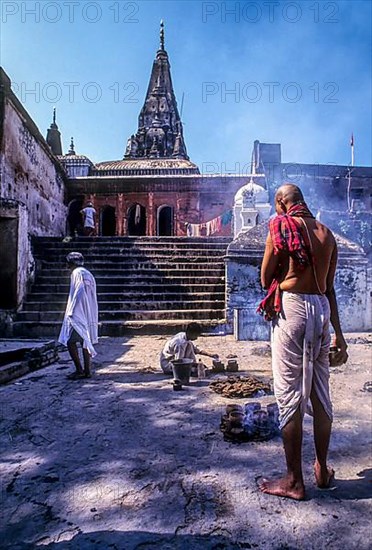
160,133
53,137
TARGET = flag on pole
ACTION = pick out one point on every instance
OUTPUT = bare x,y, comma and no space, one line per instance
352,140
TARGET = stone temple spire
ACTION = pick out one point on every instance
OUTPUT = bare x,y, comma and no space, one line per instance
162,35
71,151
53,137
159,123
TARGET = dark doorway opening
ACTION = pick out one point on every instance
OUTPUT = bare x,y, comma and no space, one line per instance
8,262
165,221
108,221
74,218
137,220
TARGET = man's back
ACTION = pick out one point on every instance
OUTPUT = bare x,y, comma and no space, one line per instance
324,253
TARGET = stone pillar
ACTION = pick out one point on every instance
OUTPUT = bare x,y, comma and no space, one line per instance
119,214
151,223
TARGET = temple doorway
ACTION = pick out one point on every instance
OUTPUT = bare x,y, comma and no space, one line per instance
108,221
74,218
137,220
165,221
8,262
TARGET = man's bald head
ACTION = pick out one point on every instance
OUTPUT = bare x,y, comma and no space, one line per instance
289,194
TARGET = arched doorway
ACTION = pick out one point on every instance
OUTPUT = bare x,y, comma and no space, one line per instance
165,221
74,218
137,220
108,221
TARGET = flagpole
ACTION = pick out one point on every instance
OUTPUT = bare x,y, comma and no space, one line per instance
352,149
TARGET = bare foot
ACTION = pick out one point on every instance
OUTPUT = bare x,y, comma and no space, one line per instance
323,477
283,487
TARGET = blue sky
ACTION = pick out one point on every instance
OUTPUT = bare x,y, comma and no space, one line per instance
299,74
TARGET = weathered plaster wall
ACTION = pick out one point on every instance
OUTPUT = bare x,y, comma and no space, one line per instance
244,292
30,175
32,193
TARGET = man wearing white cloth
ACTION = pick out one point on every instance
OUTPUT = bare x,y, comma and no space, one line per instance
298,268
80,324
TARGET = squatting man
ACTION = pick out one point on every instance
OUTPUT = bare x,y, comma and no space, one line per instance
181,346
298,269
80,324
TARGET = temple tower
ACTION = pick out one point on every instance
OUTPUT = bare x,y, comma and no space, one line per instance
160,132
53,137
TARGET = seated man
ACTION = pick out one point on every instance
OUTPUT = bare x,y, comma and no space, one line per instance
181,347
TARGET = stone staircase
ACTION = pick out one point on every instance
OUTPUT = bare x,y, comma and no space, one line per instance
145,285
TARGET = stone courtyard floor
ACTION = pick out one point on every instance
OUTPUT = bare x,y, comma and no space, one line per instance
121,461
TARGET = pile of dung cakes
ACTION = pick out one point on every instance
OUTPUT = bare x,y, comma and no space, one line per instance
240,387
250,422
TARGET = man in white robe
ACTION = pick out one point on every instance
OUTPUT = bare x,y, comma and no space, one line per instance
80,324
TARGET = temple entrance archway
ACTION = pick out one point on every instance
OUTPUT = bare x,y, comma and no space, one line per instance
74,218
137,220
8,262
108,221
164,221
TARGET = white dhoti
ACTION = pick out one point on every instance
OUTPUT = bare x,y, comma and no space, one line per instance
81,310
300,342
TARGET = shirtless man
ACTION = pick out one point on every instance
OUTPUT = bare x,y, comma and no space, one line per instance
299,274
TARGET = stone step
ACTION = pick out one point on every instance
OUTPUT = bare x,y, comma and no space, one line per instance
144,265
122,314
109,287
12,371
132,296
121,328
123,249
143,284
113,255
132,271
151,278
141,241
127,305
22,356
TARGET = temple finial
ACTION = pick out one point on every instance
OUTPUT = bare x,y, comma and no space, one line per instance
162,35
72,148
54,115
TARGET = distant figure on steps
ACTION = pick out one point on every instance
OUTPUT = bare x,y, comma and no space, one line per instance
89,219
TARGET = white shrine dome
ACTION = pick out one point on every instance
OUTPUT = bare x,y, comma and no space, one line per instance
261,195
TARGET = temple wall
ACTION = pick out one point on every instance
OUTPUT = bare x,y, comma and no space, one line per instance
244,292
194,199
32,194
30,176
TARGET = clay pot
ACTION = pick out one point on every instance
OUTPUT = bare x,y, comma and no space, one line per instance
232,365
230,408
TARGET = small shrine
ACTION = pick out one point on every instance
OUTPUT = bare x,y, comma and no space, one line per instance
251,207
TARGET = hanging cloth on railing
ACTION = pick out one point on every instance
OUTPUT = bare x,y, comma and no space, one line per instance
209,228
